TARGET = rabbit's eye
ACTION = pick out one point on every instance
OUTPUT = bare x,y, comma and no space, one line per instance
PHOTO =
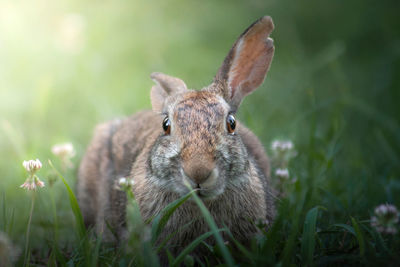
231,123
166,125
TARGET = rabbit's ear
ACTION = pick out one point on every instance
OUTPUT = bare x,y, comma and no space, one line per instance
166,85
247,63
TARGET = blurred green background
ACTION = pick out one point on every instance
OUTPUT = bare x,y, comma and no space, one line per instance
333,89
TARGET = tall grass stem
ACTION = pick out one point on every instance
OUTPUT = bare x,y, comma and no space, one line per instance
28,230
54,207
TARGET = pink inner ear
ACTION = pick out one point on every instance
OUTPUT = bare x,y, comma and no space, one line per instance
253,55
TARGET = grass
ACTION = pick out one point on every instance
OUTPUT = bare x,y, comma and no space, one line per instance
332,89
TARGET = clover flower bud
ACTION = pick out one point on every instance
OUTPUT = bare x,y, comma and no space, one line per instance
32,183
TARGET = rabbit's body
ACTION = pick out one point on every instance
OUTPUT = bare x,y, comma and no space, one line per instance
190,137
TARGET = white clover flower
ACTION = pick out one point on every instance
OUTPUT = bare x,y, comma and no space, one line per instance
32,166
63,150
32,182
282,146
385,219
124,183
282,173
275,144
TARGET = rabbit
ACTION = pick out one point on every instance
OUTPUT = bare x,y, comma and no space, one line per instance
189,137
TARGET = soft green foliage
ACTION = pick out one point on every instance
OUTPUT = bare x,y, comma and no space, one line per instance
74,206
333,90
308,238
178,260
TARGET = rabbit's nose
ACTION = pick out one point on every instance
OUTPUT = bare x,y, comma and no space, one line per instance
198,172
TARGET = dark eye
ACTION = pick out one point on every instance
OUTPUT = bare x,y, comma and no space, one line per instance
166,125
231,123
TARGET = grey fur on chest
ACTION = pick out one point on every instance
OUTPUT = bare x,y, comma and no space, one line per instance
228,210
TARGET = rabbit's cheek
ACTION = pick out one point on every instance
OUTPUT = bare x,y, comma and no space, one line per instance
171,151
164,164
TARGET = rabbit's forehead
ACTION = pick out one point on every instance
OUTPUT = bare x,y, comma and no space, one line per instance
200,104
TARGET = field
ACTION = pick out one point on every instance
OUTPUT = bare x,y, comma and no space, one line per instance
332,90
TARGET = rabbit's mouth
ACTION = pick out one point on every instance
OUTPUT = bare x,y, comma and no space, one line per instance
207,190
206,194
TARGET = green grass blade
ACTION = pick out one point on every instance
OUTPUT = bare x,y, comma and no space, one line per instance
162,218
167,238
95,254
380,243
11,224
210,248
192,246
359,235
74,205
290,243
348,228
240,247
214,229
308,238
272,238
82,234
58,255
111,229
54,210
170,257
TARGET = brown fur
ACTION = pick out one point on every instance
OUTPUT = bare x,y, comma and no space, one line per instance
231,171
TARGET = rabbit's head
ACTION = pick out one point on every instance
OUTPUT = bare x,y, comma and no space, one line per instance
199,144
